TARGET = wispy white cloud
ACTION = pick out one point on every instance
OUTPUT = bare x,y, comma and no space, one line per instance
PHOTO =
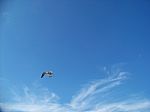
93,97
88,93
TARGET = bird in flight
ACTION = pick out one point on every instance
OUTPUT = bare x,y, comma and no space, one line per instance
47,73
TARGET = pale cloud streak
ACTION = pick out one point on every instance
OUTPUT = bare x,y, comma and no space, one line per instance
93,97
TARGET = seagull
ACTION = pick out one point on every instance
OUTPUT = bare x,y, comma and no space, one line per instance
47,73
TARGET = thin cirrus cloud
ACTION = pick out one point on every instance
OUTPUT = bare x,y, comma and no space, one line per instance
97,96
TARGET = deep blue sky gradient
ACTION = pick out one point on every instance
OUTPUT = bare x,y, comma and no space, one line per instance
75,39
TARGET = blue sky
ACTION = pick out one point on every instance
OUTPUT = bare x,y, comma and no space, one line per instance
85,43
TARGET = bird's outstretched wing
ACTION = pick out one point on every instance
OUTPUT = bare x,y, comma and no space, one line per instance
42,75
